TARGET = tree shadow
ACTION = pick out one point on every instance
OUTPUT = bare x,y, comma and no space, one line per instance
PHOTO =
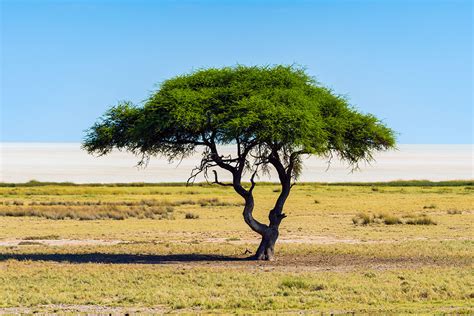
120,258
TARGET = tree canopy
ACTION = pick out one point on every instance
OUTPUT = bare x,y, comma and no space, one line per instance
272,115
264,107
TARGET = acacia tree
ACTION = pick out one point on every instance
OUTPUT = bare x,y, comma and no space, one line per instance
273,116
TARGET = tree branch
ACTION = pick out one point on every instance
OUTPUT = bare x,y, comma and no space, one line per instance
252,180
216,181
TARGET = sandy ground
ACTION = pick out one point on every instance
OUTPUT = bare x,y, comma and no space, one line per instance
85,310
317,240
101,310
59,242
312,262
99,242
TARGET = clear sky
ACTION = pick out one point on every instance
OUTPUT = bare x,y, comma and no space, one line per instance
63,63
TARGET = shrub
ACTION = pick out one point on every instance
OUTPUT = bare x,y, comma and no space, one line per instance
216,202
362,219
318,287
392,220
420,220
118,211
388,219
208,202
190,215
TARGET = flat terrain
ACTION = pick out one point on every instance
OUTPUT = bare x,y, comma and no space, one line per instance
157,248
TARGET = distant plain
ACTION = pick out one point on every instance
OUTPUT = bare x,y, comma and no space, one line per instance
58,162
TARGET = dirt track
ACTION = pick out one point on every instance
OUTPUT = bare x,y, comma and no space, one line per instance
316,240
283,263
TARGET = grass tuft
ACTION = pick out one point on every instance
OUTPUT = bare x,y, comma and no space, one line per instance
362,219
389,219
294,283
45,237
420,220
216,202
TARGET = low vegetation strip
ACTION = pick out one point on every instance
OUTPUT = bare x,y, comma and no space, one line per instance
93,210
388,219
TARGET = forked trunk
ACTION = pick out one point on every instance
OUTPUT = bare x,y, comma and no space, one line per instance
269,233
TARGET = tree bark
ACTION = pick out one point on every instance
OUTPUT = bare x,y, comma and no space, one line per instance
266,249
269,233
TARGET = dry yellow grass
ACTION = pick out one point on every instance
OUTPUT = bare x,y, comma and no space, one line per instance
324,261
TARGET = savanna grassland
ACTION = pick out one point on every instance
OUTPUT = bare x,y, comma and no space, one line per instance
393,247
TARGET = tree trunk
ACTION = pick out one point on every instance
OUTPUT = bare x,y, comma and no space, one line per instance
266,249
269,233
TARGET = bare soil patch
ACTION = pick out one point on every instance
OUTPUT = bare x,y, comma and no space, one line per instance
282,263
59,242
83,309
321,240
317,240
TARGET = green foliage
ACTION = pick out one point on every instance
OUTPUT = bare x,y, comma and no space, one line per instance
263,109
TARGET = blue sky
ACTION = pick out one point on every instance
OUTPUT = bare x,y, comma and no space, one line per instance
63,63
